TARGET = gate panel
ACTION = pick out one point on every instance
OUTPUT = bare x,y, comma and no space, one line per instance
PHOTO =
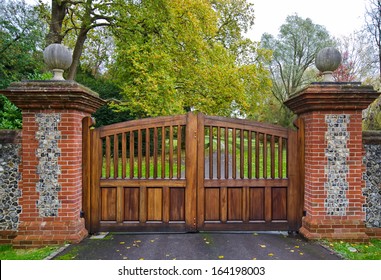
138,180
246,182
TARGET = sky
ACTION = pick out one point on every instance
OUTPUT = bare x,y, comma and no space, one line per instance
340,17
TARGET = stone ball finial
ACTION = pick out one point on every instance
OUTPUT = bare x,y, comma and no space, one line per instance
58,58
328,60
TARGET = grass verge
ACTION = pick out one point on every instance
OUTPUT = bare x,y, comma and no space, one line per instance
8,253
355,251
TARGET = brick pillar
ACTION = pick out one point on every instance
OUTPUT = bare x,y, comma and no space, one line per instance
51,184
333,200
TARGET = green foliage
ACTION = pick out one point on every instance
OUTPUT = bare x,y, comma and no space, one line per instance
356,251
174,56
10,115
108,91
294,52
21,41
8,253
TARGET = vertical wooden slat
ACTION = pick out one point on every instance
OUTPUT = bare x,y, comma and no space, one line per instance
280,157
224,204
140,153
242,154
116,156
179,129
200,171
272,155
211,152
191,171
88,165
143,209
245,203
218,152
250,155
119,204
124,155
226,152
163,135
234,152
132,154
108,157
171,152
265,156
166,204
268,204
96,172
293,178
155,151
257,155
148,145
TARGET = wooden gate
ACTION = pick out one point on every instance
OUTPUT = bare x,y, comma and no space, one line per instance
190,172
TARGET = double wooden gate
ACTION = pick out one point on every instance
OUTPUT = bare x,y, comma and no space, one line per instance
191,172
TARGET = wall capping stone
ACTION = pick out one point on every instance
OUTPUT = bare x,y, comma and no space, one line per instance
10,136
40,95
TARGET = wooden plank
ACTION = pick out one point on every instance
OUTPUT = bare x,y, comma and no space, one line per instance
124,155
132,154
293,176
131,204
268,204
143,207
166,204
234,154
148,145
171,152
141,124
108,157
279,203
191,171
154,204
163,136
250,155
301,169
120,204
177,204
179,140
219,166
96,172
226,152
211,152
116,156
88,165
143,183
272,156
200,171
257,155
257,205
140,158
108,204
241,154
246,183
234,204
224,204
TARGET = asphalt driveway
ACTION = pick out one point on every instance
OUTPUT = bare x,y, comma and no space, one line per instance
197,246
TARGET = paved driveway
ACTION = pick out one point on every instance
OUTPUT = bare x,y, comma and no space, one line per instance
198,246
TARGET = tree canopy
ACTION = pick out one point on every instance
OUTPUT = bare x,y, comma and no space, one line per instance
176,56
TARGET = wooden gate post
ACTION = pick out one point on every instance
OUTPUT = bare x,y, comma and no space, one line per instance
51,184
333,175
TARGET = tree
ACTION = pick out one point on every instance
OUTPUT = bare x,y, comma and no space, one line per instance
176,56
77,19
373,27
294,52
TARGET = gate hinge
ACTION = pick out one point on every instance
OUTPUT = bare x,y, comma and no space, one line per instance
82,214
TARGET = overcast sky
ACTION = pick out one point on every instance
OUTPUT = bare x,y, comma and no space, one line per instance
340,17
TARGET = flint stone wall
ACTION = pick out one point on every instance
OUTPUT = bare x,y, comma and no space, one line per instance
10,159
372,177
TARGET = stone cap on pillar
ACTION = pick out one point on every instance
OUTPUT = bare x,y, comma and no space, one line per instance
38,95
332,96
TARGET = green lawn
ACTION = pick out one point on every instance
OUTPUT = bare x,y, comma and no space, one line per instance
354,251
8,253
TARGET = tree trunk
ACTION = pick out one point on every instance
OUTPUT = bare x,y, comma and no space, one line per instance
77,52
55,27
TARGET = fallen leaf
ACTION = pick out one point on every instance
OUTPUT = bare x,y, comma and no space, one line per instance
296,246
254,259
152,241
117,250
167,255
137,241
255,234
262,246
207,242
174,259
220,257
292,251
141,259
301,253
270,254
125,258
128,247
122,242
